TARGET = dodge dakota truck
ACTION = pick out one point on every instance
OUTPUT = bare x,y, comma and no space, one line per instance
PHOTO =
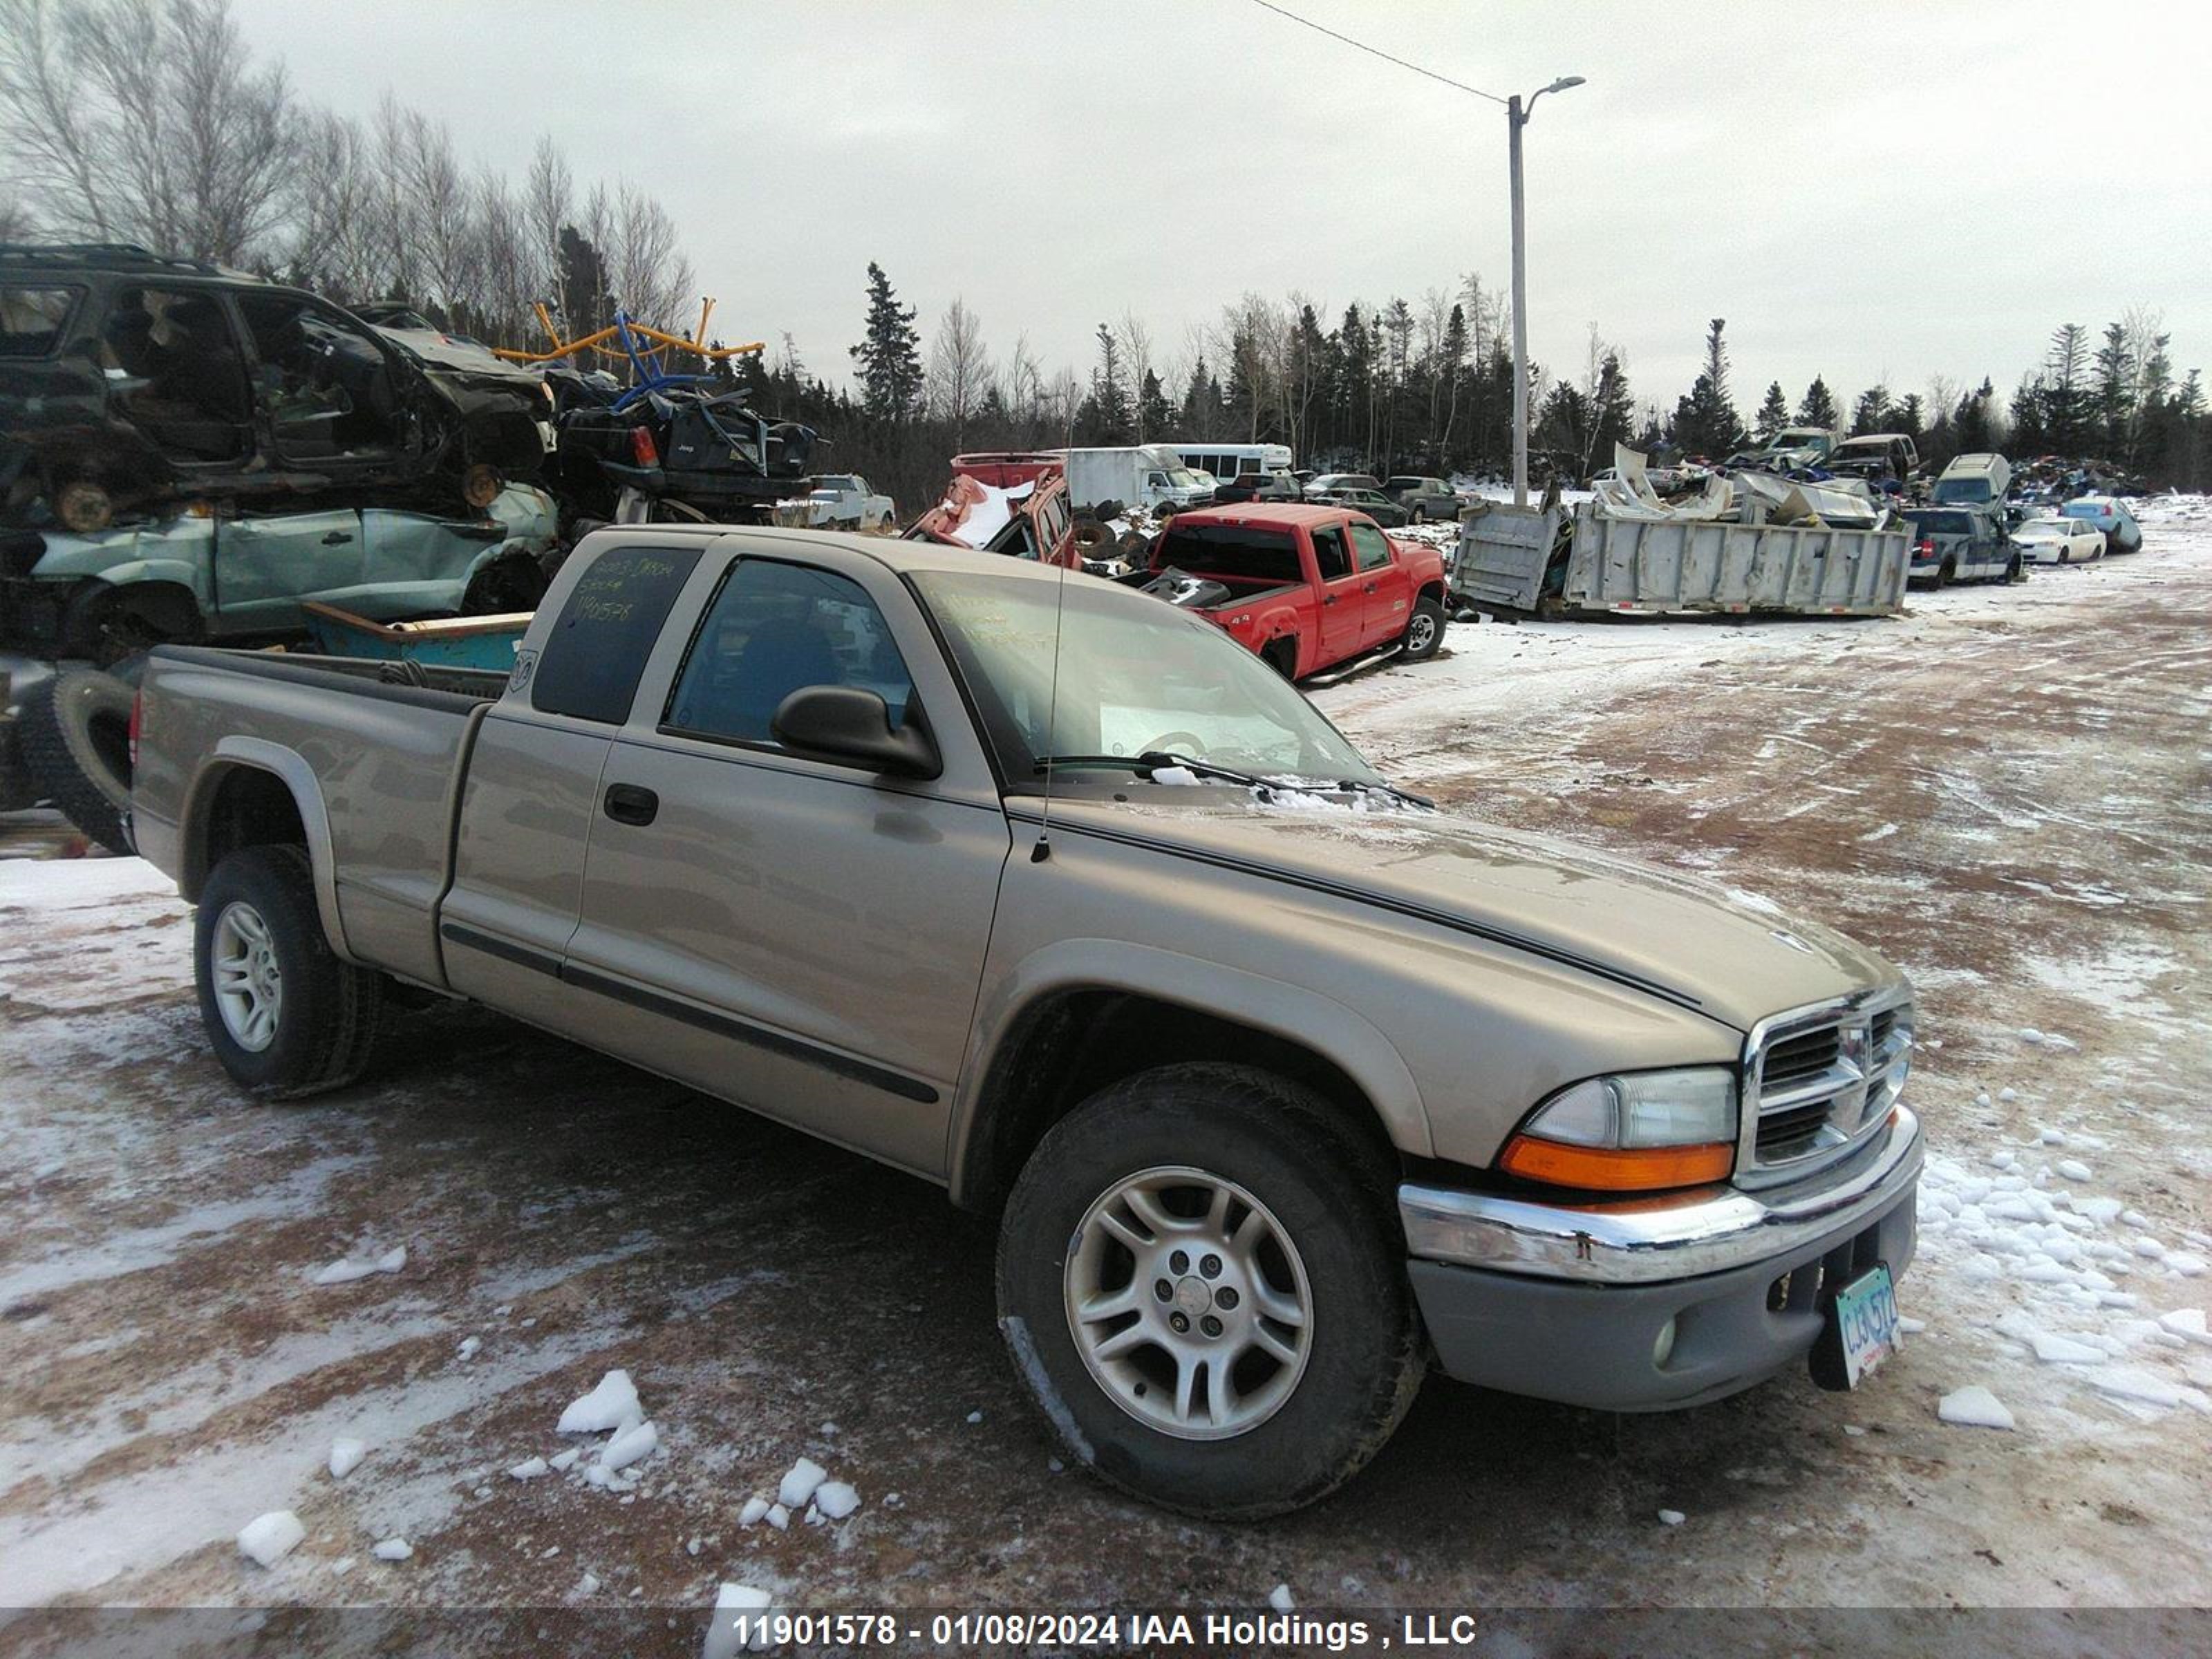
1284,1085
1307,588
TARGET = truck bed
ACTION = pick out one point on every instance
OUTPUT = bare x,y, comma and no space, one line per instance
384,746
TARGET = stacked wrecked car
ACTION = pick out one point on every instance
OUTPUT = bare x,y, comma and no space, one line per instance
189,453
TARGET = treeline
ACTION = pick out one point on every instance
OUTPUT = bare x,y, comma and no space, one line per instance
147,121
1429,389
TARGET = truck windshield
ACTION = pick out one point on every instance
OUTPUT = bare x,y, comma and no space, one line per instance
1962,489
1133,676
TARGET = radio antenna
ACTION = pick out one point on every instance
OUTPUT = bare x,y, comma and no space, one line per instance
1043,850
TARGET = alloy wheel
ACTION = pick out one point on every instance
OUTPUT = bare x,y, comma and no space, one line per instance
1188,1303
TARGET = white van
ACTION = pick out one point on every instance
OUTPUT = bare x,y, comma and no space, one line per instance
1226,461
1137,475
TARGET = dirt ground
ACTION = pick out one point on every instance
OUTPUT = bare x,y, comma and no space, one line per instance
2006,792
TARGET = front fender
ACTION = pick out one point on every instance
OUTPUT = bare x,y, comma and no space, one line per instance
1291,1013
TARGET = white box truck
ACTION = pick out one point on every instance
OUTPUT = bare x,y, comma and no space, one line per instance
1135,475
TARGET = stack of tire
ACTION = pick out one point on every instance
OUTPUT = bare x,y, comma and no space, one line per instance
73,735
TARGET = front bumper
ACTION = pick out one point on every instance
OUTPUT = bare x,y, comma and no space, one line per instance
1570,1302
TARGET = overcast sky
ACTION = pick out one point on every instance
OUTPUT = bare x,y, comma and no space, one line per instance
1864,190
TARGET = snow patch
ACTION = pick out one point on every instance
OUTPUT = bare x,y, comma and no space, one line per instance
1974,1408
268,1539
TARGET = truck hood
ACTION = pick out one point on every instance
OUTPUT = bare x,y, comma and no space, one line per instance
1732,956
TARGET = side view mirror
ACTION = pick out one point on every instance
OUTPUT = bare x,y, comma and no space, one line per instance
843,722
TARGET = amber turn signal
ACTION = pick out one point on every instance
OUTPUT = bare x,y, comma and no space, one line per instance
1634,1169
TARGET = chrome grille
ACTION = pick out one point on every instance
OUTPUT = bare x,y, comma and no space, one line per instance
1820,1081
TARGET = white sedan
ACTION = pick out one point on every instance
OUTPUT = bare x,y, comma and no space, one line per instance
2059,541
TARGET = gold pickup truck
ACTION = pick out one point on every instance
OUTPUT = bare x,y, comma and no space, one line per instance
1285,1085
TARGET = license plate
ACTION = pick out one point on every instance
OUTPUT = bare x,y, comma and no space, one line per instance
1865,1318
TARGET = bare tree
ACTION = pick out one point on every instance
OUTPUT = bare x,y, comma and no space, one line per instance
548,202
50,130
1021,389
140,119
959,370
334,241
1134,340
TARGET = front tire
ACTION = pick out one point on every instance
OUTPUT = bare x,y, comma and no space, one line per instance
287,1019
1286,1346
1424,630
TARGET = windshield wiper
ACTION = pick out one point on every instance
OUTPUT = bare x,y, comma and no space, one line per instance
1153,760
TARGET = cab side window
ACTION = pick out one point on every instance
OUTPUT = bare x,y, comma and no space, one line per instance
1330,560
772,629
1371,546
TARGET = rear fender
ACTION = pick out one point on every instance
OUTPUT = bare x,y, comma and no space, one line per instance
290,768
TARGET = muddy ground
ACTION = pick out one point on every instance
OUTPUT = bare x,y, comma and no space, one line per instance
2006,792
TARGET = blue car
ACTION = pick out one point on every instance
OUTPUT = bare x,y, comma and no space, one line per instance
2110,515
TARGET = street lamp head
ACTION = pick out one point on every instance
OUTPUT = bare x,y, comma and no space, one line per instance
1563,83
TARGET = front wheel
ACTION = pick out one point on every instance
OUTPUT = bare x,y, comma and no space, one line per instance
1424,630
2016,571
284,1015
1201,1281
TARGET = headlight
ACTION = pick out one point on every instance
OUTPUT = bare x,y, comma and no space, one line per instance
1635,1132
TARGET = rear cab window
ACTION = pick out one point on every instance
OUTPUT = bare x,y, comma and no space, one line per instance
590,664
1252,555
33,320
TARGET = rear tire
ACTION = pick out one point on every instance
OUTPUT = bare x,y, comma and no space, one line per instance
287,1019
1259,1186
75,729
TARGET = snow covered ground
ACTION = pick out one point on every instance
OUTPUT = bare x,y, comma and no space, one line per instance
393,1315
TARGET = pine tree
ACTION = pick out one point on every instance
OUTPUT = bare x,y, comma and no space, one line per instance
1705,421
2114,397
1201,409
1112,417
1872,413
1453,369
2060,394
1616,415
1773,412
1154,415
583,283
890,357
1969,422
1818,407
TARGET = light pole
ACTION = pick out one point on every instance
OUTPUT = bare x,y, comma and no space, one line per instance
1516,117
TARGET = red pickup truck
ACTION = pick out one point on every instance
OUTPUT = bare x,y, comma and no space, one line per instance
1307,588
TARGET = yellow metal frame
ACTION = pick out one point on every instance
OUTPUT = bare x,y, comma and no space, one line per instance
595,341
